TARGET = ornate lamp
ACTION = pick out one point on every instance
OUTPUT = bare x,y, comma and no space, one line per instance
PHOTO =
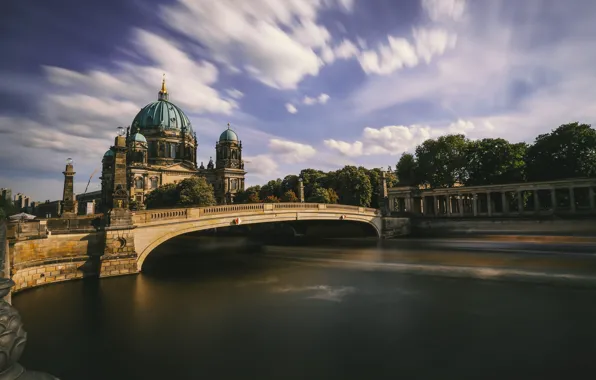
121,131
69,161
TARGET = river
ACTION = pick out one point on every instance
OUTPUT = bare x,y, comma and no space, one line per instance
224,309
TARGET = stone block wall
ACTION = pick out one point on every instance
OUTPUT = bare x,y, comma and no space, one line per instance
395,227
66,257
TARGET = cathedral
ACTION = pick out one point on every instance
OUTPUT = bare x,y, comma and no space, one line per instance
161,148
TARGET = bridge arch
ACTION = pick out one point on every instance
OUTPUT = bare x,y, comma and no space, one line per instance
155,227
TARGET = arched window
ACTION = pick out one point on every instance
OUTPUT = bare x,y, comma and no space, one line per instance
234,184
172,150
154,183
139,182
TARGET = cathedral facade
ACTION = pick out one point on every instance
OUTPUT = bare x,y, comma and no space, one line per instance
161,148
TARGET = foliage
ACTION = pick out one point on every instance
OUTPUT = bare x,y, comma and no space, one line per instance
290,196
164,196
289,183
441,162
310,178
375,177
272,188
322,195
353,186
568,151
194,191
7,208
407,170
243,196
271,199
253,198
494,161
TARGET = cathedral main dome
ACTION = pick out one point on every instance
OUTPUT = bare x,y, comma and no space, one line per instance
162,114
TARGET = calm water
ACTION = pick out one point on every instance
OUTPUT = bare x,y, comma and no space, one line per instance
228,313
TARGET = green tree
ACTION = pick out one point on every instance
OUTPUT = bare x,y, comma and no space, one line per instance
495,161
568,151
164,196
289,196
319,195
253,198
310,178
272,188
2,214
195,191
243,196
407,170
333,197
7,208
354,187
271,199
441,162
290,182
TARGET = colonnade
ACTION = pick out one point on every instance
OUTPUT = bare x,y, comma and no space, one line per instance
570,196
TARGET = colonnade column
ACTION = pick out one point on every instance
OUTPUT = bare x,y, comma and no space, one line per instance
536,201
571,199
449,205
488,204
475,204
591,195
460,204
520,202
553,199
435,205
504,203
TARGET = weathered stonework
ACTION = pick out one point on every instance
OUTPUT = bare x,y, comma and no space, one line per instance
119,242
395,227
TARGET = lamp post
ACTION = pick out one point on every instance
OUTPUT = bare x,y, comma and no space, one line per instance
301,190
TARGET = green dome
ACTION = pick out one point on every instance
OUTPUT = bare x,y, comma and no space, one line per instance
162,114
139,138
228,135
109,153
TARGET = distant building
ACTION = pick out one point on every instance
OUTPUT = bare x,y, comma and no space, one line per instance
48,209
6,194
89,203
21,201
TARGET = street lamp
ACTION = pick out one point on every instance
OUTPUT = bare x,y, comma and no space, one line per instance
69,161
121,131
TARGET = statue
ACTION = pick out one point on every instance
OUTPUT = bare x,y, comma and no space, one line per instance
12,340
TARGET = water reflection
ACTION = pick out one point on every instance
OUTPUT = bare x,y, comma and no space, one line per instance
228,309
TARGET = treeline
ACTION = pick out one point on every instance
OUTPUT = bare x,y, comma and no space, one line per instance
567,152
350,185
451,160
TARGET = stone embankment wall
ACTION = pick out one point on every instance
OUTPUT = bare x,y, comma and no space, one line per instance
57,258
476,226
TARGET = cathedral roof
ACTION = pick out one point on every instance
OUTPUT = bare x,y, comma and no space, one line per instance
139,138
109,153
162,114
228,135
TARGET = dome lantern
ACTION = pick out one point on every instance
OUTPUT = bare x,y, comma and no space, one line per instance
163,93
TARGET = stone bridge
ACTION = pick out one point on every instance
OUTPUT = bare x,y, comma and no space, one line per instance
53,250
153,227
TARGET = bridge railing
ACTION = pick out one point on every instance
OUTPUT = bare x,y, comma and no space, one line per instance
148,216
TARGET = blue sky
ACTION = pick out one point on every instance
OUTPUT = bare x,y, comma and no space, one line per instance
305,83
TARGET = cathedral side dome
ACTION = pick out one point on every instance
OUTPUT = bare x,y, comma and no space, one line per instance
137,137
228,135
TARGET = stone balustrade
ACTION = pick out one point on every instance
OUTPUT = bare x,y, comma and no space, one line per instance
573,196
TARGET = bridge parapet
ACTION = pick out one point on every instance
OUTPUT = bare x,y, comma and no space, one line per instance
159,215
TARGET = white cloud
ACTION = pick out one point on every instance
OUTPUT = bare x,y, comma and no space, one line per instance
438,10
291,152
236,94
321,99
345,50
261,165
290,108
347,149
399,52
274,41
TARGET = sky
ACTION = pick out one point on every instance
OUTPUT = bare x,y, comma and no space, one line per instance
305,83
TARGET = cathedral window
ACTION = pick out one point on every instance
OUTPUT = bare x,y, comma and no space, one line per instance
139,183
234,184
154,183
172,150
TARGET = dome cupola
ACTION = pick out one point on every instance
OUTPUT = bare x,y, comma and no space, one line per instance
162,115
228,135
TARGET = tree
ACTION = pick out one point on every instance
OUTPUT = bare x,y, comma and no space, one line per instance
272,188
354,187
310,178
195,191
407,170
271,199
290,196
290,182
2,214
333,197
253,198
243,196
319,195
495,161
164,196
7,208
568,151
441,162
